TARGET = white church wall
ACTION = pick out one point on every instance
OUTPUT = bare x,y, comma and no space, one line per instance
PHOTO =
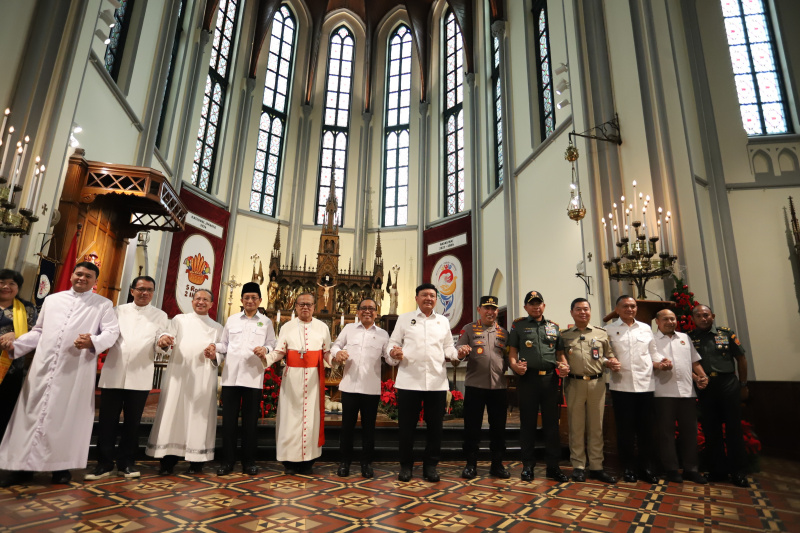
13,38
400,248
493,245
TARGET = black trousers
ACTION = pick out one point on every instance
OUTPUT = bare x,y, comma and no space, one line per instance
234,399
684,411
9,394
409,405
633,414
720,403
112,403
495,401
538,393
352,404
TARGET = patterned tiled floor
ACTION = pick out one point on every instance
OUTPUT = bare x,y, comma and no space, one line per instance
272,501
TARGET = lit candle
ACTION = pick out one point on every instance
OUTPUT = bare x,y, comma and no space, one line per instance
616,234
341,322
641,199
13,175
624,221
671,233
627,232
5,120
32,190
666,234
658,229
634,199
34,171
616,214
627,219
22,159
5,150
644,223
278,317
38,190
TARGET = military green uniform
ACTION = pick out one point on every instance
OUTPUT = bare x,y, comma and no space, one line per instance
720,401
537,343
586,351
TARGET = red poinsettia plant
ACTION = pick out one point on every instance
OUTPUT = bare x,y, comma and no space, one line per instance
684,304
457,404
388,403
269,398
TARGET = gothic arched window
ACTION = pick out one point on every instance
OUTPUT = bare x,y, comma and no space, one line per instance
173,59
453,117
497,109
544,70
211,114
117,35
396,129
274,113
755,70
336,121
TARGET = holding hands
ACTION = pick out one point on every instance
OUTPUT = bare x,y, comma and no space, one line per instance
614,364
396,353
519,367
7,341
464,351
210,352
665,364
562,369
261,353
165,341
342,356
701,381
83,341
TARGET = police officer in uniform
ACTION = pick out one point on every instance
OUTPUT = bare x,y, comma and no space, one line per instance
483,345
587,350
720,401
535,346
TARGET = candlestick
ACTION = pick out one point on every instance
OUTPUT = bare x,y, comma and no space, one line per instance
658,228
644,224
624,221
634,210
670,234
38,191
666,235
22,161
278,317
5,153
32,190
34,171
13,175
341,322
5,120
292,315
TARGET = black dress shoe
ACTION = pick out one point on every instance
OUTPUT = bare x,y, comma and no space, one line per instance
366,471
556,474
429,473
165,470
404,475
469,472
250,470
100,472
306,469
628,476
527,474
648,477
344,470
129,472
61,477
674,477
16,478
499,471
224,469
716,477
740,480
602,475
195,467
695,477
578,474
289,470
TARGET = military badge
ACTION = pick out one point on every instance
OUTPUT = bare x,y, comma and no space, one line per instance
528,343
413,321
479,350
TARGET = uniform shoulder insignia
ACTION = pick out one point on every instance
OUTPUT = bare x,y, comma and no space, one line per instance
556,325
723,328
598,327
518,319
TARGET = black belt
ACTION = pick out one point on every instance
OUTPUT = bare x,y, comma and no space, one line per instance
716,374
586,378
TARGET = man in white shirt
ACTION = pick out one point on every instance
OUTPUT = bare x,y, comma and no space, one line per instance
633,354
675,399
360,347
127,379
51,426
305,342
421,345
246,340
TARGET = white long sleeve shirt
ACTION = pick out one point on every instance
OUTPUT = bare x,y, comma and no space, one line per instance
365,348
241,335
678,382
635,349
129,363
427,345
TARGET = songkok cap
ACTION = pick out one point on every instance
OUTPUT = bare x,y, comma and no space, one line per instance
533,295
251,286
489,301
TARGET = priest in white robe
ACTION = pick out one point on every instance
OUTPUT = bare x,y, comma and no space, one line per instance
52,422
305,343
186,419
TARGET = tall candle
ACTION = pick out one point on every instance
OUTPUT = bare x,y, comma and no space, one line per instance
666,234
5,120
616,234
34,171
22,160
624,220
13,176
634,211
644,223
658,228
341,322
292,315
32,190
671,232
278,317
35,207
5,150
616,214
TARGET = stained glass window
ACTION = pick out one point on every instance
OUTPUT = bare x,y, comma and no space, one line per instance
274,113
214,98
396,132
499,157
755,71
171,71
454,195
117,35
544,70
336,121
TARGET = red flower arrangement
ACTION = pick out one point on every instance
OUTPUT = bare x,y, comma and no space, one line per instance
684,303
269,398
457,404
388,402
752,445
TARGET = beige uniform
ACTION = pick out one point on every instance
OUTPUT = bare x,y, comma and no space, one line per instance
586,352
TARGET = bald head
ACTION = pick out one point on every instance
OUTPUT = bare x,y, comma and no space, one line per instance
666,322
703,317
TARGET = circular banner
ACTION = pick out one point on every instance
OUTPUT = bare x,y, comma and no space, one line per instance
448,276
195,270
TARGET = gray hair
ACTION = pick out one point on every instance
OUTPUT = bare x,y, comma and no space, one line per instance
204,290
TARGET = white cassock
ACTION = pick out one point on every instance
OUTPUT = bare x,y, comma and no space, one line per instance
52,422
186,419
299,418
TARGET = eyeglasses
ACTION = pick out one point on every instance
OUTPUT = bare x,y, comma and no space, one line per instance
140,289
251,298
373,309
303,304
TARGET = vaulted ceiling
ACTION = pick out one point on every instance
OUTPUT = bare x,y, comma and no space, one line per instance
371,13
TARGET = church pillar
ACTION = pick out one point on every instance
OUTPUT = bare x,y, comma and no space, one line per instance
509,183
302,175
363,203
476,218
423,196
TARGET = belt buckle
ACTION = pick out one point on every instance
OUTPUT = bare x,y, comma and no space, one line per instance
712,374
542,372
586,378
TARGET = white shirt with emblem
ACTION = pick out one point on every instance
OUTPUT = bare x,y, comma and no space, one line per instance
241,335
427,347
635,349
678,382
365,348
